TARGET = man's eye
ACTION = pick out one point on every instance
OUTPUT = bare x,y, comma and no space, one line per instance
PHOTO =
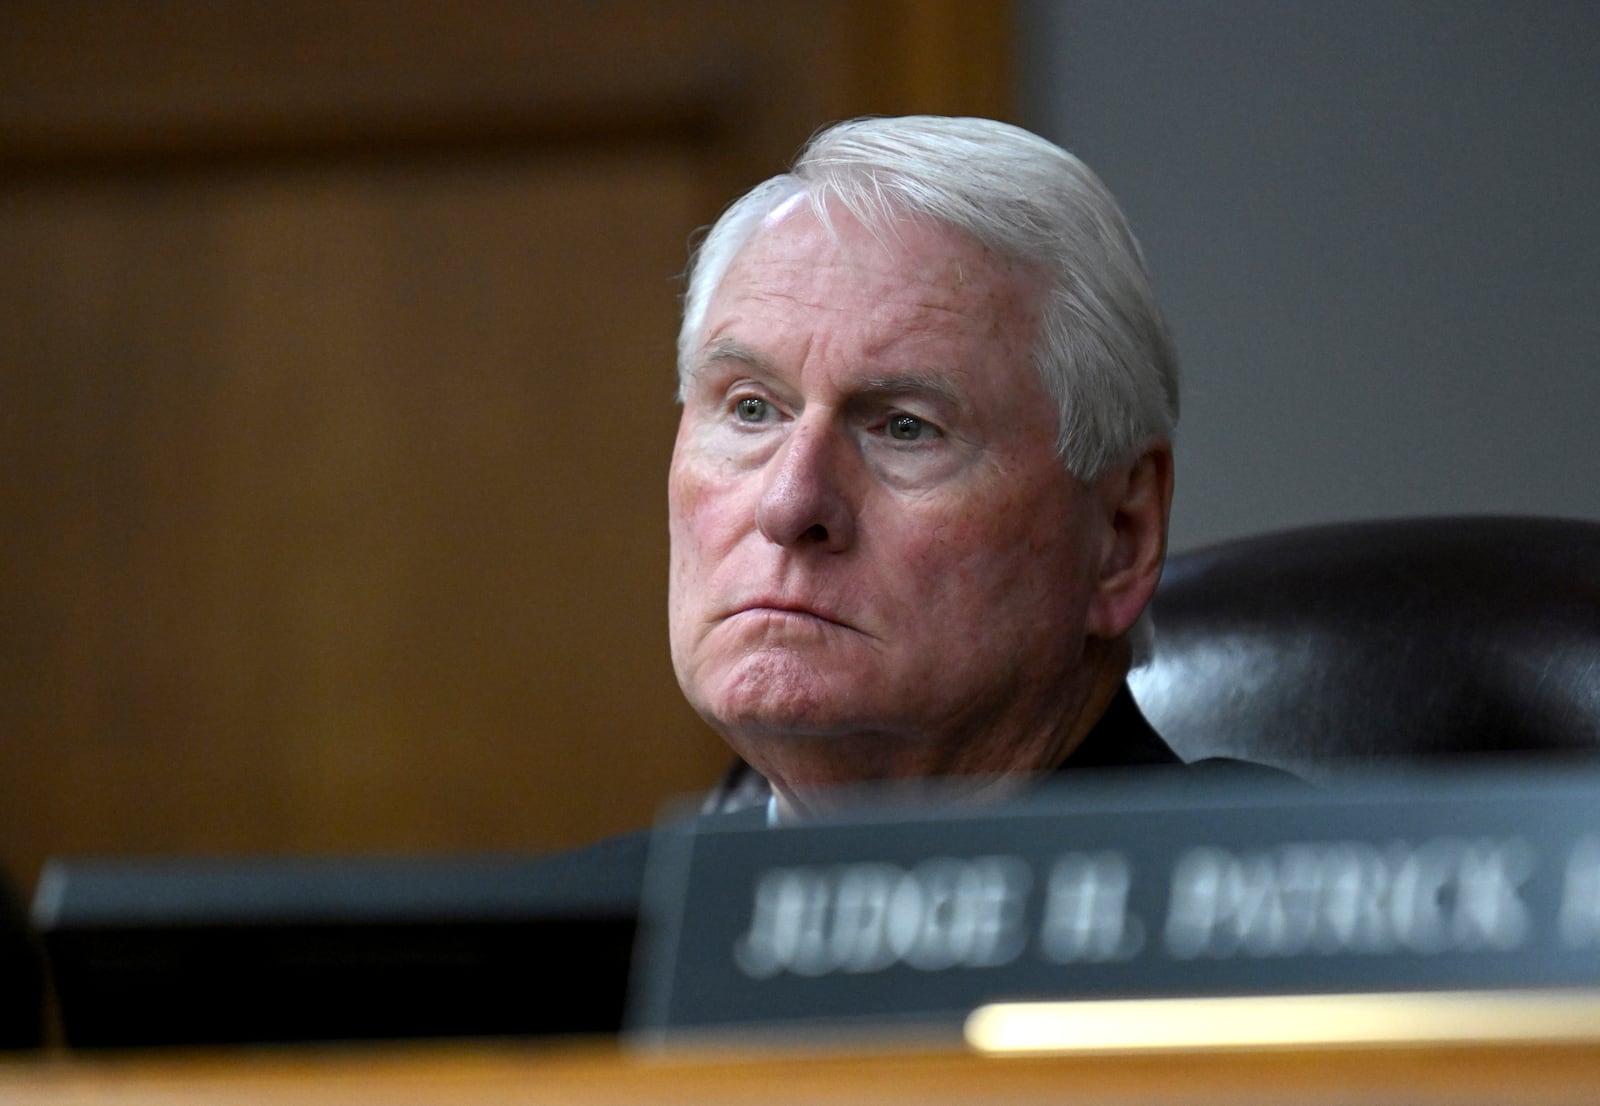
909,428
752,409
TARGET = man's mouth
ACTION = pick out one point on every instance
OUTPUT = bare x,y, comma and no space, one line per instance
785,608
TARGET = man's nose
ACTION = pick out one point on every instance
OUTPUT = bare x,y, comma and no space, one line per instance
805,499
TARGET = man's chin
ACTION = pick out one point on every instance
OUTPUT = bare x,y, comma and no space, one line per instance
740,721
800,695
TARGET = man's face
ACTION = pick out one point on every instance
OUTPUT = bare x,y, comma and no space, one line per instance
880,567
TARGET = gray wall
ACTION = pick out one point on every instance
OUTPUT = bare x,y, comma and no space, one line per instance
1376,229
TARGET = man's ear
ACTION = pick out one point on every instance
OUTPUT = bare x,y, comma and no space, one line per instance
1135,500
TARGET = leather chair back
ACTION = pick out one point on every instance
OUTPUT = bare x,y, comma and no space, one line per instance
1364,644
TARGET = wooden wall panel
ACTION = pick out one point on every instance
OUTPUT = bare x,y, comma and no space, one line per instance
335,402
356,483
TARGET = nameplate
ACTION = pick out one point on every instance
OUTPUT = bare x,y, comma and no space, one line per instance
912,919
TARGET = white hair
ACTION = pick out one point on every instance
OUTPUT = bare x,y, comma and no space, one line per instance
1103,351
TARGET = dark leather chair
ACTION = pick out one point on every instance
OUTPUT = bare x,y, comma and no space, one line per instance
1359,645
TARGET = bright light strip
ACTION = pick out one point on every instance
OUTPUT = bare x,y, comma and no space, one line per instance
1281,1020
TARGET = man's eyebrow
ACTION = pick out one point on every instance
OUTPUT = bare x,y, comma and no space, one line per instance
913,383
726,349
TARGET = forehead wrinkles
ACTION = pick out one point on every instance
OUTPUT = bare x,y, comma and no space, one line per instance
936,271
928,300
806,263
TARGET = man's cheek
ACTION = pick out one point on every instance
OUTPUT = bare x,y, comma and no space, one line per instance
948,553
725,528
683,494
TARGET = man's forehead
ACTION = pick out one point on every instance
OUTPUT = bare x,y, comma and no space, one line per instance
927,309
927,277
897,247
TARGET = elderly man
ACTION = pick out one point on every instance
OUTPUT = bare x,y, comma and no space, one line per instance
920,489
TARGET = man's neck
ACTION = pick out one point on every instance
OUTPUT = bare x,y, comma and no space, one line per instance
983,780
